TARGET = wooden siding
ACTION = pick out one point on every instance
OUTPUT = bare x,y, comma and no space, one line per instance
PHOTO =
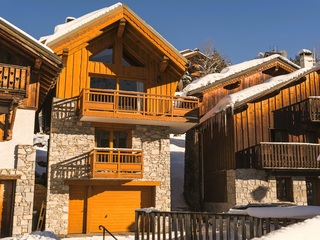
212,97
76,50
282,111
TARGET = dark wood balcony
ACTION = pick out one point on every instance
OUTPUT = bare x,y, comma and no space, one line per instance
288,156
14,79
116,163
99,105
311,109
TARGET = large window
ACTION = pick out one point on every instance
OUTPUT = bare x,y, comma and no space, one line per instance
112,138
284,189
105,56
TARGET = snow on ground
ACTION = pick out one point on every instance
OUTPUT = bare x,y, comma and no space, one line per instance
306,230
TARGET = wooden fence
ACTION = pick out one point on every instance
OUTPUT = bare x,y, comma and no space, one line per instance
200,225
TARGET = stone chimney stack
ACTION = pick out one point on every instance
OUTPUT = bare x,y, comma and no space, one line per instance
306,58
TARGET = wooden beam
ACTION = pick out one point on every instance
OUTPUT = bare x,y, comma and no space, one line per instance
121,27
164,63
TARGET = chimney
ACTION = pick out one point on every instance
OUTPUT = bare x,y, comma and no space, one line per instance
306,58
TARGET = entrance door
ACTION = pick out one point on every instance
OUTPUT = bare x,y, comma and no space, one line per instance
6,207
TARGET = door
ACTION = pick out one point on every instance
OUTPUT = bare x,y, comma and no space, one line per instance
6,207
111,206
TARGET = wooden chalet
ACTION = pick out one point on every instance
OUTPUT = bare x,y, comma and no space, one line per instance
112,114
210,89
28,71
260,143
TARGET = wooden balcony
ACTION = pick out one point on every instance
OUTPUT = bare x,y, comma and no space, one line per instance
116,163
288,156
311,109
14,79
99,105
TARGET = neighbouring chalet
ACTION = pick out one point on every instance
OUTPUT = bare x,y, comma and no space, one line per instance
112,114
258,139
28,70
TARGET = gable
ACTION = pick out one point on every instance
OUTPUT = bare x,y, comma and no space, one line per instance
120,21
271,66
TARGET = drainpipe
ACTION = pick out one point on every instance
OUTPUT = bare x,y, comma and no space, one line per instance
201,170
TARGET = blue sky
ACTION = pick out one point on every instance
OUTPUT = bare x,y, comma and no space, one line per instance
238,29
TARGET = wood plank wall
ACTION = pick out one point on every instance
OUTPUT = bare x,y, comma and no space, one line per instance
253,125
76,75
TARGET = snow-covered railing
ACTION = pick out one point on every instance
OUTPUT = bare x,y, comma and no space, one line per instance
154,224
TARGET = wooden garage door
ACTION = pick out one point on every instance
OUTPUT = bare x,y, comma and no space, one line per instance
111,206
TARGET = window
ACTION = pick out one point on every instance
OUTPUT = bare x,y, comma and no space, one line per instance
112,138
129,60
284,189
279,135
105,56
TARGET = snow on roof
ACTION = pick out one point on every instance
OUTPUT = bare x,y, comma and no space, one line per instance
25,35
70,27
305,51
231,70
235,99
66,29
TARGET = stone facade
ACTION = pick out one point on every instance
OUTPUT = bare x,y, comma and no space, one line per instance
70,143
246,186
23,203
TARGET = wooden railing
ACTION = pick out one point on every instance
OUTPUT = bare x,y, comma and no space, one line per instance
112,101
116,163
288,155
201,225
311,109
14,79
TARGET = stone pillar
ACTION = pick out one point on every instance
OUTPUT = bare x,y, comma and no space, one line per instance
155,142
23,204
70,142
299,190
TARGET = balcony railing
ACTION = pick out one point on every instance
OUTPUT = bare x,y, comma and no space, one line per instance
311,109
100,102
14,79
116,163
288,156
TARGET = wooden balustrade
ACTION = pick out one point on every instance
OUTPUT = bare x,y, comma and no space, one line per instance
116,163
311,109
152,224
102,102
288,156
14,79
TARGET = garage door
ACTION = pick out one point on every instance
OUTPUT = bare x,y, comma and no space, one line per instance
111,206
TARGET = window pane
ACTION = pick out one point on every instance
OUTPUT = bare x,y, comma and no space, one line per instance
102,138
131,85
120,139
106,56
102,83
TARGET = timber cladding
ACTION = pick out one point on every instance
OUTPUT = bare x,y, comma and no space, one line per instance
110,206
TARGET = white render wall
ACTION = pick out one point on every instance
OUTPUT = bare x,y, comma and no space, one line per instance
22,134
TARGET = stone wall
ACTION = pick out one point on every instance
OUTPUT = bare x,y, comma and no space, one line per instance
155,142
23,202
246,186
70,142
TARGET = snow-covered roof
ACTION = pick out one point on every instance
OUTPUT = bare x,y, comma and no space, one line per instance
26,36
63,30
305,51
209,79
248,94
70,27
